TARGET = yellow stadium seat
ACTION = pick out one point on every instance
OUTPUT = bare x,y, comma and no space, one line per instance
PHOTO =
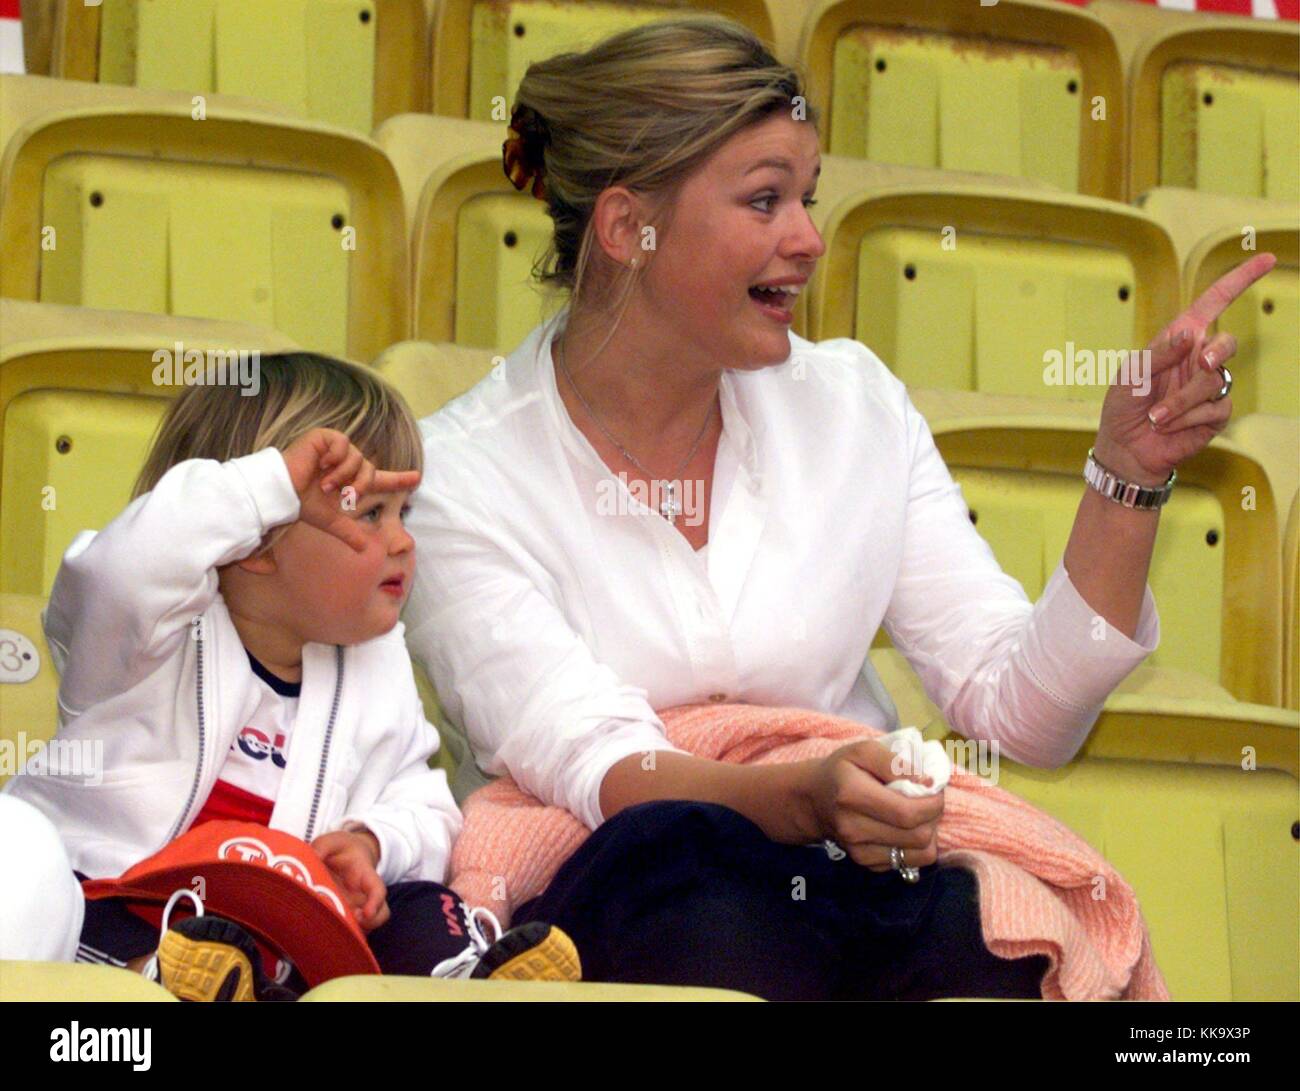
1006,290
1209,852
1273,441
119,198
418,145
843,183
1023,87
1212,234
42,982
1213,100
79,403
29,684
474,237
1020,463
430,990
1291,607
481,50
429,376
349,63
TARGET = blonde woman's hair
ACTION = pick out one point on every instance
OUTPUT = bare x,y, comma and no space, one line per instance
298,391
642,109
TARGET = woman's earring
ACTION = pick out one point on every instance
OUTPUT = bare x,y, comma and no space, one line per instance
634,261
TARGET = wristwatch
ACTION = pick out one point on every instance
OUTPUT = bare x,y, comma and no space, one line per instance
1128,493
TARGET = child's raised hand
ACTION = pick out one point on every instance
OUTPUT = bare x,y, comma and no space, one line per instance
331,478
351,859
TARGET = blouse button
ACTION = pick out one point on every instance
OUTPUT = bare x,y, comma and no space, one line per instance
717,698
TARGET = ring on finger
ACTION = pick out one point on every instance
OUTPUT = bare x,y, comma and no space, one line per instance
1227,385
898,863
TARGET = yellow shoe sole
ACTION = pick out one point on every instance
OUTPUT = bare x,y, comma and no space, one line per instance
548,957
204,970
211,959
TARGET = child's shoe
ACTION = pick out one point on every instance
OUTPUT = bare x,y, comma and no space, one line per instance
532,952
208,958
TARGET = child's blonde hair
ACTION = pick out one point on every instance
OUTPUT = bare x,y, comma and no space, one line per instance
298,391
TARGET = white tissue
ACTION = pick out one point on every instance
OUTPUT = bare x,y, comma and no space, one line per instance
924,757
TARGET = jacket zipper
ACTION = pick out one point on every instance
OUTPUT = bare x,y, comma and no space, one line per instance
197,632
198,771
325,748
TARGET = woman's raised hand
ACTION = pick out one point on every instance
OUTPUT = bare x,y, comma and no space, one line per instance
332,477
1150,422
854,807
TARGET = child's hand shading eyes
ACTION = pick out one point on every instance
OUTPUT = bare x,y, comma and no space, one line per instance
323,465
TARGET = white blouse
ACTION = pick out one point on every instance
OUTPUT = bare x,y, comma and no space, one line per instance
554,622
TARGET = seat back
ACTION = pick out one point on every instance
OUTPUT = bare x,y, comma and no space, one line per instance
246,215
1209,853
481,50
925,272
910,84
81,393
349,63
1213,234
1212,100
1020,469
474,238
428,376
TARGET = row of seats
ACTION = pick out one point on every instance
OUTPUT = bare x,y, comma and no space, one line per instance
79,406
1109,101
1188,782
79,403
117,198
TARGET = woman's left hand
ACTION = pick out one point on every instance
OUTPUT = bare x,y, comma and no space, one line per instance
1134,439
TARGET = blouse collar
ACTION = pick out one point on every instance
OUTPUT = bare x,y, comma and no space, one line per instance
735,428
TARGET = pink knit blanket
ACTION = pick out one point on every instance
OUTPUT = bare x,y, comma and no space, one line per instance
1042,888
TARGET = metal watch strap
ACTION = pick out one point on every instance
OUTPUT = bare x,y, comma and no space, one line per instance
1128,493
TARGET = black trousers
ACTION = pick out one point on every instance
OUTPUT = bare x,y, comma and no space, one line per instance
426,925
686,893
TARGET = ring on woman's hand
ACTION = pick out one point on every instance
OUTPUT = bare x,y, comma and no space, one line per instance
896,861
1227,385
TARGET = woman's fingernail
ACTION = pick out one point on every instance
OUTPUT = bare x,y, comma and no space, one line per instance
1210,362
1158,415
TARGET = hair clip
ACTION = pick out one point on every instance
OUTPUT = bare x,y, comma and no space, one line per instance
523,170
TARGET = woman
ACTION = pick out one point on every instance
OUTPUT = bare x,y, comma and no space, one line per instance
563,593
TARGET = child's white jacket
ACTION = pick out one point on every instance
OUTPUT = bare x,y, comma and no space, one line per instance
153,669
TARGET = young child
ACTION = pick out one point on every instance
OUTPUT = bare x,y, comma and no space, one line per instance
232,641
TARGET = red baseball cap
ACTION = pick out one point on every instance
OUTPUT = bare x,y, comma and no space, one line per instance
267,880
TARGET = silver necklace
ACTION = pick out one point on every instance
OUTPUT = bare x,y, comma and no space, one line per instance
669,508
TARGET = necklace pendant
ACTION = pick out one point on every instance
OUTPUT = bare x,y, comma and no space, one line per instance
670,509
